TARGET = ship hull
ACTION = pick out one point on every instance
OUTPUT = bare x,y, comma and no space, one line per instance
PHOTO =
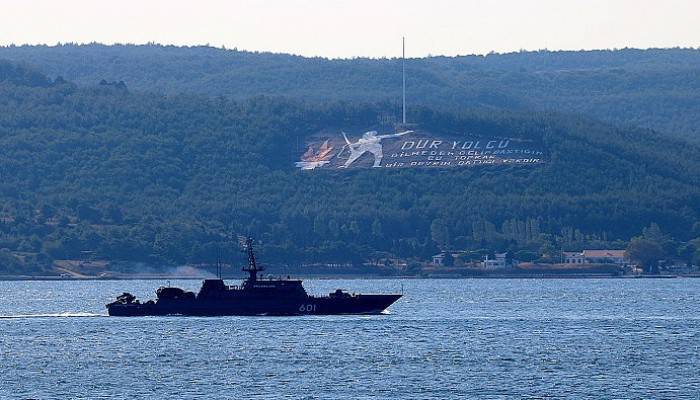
311,305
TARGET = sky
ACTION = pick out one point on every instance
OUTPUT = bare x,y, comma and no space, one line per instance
359,28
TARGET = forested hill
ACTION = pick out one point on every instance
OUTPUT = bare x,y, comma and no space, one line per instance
164,179
657,89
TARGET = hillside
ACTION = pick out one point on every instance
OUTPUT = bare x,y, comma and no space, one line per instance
148,178
658,88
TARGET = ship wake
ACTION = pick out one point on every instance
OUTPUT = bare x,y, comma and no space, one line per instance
53,315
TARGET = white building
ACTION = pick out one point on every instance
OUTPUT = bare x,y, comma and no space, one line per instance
574,257
498,263
439,259
596,257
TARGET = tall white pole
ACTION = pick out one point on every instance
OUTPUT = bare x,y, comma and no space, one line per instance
403,67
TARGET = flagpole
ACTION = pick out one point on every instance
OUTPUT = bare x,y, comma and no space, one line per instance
403,75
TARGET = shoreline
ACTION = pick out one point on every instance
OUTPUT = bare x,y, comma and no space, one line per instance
11,278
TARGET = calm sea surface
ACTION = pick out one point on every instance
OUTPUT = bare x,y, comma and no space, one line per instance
484,339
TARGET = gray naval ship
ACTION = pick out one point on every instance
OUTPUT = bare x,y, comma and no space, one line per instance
254,296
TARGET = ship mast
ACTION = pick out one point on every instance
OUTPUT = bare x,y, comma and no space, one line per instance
252,268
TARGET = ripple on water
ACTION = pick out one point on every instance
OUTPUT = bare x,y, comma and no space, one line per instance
445,339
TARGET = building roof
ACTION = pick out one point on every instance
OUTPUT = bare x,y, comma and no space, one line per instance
604,253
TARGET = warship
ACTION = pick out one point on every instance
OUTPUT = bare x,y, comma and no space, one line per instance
254,296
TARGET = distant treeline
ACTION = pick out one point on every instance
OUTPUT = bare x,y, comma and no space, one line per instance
658,88
109,173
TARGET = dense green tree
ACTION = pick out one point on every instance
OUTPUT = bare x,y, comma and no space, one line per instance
645,252
449,260
687,252
377,229
439,233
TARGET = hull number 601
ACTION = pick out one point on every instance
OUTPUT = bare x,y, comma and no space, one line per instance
307,308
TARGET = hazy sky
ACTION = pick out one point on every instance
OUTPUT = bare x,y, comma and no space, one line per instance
359,27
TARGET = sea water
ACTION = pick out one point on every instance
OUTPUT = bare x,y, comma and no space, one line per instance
467,338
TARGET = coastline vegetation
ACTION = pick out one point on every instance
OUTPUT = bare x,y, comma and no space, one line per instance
101,171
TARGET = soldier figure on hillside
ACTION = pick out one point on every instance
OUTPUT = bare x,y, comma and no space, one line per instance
369,142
